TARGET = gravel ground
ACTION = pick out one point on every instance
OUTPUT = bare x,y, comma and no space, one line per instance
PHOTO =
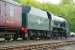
70,47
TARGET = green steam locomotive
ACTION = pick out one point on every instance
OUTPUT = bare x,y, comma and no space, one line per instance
30,23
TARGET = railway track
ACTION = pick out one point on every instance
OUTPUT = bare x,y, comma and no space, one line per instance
21,45
35,45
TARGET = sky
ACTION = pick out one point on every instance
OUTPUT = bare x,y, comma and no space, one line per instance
74,1
50,1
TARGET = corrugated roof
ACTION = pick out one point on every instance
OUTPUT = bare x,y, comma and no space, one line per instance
12,2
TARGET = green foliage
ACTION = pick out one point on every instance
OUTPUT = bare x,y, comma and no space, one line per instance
67,9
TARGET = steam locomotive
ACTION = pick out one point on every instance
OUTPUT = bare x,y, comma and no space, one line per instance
29,22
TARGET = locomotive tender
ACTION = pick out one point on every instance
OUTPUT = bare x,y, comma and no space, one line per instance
28,22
